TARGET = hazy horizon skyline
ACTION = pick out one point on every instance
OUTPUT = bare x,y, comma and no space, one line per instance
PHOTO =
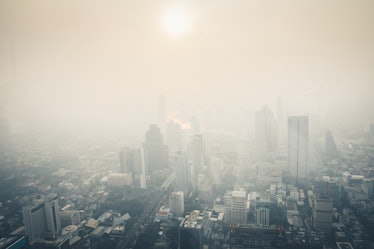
102,62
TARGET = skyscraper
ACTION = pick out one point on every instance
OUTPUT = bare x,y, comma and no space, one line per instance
262,216
156,150
236,207
176,203
297,148
173,136
42,218
191,232
123,160
265,132
331,150
161,112
182,172
197,157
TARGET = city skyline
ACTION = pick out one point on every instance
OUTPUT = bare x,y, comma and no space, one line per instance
186,124
106,64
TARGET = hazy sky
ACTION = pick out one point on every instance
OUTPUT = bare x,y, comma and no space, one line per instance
107,62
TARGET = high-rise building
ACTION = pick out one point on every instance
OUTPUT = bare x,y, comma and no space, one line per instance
123,160
322,212
144,169
281,127
141,168
262,216
331,150
69,217
297,148
182,172
236,207
176,203
265,132
161,112
197,157
156,150
173,136
42,219
191,232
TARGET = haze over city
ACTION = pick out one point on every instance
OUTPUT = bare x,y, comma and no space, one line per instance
89,63
180,124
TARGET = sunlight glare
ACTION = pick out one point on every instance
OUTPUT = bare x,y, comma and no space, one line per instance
176,20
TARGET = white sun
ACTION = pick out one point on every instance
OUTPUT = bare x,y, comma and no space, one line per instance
176,20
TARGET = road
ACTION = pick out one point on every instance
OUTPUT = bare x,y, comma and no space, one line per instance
158,196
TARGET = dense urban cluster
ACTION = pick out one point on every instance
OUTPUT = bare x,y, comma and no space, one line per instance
288,183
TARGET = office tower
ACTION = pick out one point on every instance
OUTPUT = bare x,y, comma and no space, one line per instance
144,169
322,212
161,112
331,150
123,160
281,126
265,133
52,215
235,207
324,185
69,217
204,188
191,232
197,157
182,172
173,136
141,168
42,219
176,203
297,148
156,150
262,216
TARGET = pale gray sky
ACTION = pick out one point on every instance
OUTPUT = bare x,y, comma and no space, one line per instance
80,62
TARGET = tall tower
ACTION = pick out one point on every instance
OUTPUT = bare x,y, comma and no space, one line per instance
52,215
197,155
176,203
123,160
42,219
161,112
236,207
173,136
265,132
297,148
182,173
156,150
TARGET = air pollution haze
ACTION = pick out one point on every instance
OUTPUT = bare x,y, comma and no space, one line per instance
104,64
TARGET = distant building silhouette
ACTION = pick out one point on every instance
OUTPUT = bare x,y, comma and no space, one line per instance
124,160
196,155
182,173
173,136
297,148
162,112
156,150
265,132
331,150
